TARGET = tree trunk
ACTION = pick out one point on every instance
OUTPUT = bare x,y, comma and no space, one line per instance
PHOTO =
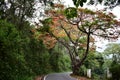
76,70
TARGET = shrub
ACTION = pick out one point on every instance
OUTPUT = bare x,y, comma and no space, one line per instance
115,70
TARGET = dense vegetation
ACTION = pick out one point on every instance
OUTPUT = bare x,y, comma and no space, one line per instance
22,56
112,56
26,51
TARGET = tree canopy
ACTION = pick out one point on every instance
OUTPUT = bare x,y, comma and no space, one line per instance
76,28
113,50
109,3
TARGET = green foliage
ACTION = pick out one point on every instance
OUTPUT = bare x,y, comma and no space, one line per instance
112,56
100,1
115,70
12,60
59,60
38,58
46,23
82,70
2,6
79,2
17,14
87,11
91,61
70,12
109,3
94,62
19,77
113,50
21,56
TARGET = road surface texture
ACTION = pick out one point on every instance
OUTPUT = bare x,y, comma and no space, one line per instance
59,76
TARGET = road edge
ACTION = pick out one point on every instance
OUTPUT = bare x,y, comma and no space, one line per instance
44,77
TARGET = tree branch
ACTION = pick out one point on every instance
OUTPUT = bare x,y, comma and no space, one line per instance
65,44
87,50
68,34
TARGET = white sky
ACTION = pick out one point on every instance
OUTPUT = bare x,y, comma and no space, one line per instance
100,42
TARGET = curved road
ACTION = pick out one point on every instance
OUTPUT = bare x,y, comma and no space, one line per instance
59,76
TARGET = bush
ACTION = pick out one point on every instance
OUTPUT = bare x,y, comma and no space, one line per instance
12,62
115,70
82,71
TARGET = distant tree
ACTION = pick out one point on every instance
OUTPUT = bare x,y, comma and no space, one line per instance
19,11
113,51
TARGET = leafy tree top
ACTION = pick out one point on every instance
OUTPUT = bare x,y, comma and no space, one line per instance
76,29
78,22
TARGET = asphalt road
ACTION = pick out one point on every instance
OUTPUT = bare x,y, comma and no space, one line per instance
59,76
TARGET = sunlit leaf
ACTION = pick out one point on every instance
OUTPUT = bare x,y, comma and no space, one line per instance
70,12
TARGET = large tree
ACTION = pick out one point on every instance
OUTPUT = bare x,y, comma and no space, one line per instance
113,50
76,29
